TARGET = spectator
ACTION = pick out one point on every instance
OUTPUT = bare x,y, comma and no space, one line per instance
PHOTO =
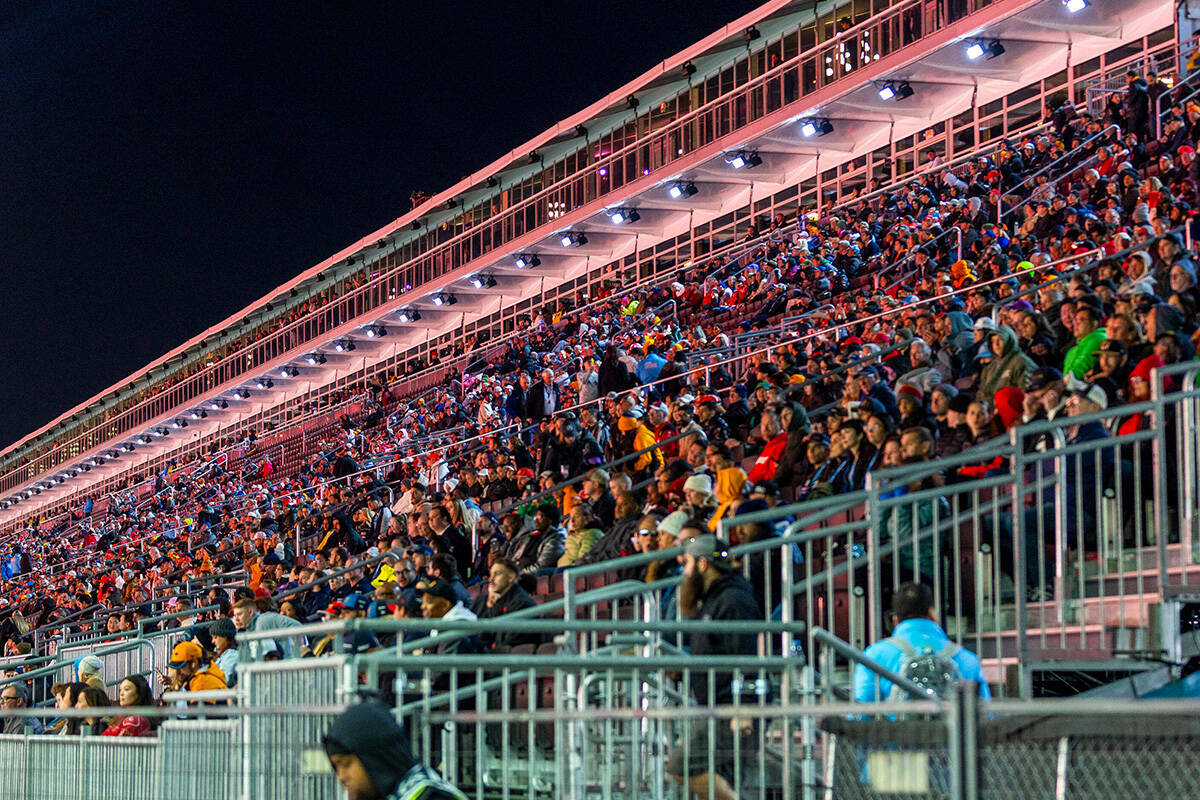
224,637
503,596
93,698
916,639
88,670
191,670
370,755
132,692
438,601
721,594
12,696
582,534
248,618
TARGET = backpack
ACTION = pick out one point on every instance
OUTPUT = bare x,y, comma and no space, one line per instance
933,670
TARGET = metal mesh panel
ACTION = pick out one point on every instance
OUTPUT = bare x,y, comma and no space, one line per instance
283,741
200,759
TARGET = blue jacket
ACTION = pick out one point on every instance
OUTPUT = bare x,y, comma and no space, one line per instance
920,633
649,367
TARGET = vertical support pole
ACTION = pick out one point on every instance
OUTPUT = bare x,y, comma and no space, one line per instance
962,731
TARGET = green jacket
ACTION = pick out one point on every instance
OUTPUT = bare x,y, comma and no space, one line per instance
1082,357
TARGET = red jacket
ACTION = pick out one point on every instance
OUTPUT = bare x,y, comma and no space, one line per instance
768,461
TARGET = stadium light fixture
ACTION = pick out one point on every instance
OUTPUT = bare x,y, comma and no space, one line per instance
444,299
289,372
265,383
573,239
743,159
895,90
624,216
816,126
145,438
343,345
528,261
408,315
180,422
314,359
1075,6
218,404
979,48
199,413
242,393
681,189
374,331
483,281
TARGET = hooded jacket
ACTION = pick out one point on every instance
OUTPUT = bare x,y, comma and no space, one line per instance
1011,367
370,732
794,449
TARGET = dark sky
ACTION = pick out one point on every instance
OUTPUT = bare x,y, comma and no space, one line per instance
164,164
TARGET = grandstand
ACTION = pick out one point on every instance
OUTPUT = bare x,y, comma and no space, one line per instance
878,294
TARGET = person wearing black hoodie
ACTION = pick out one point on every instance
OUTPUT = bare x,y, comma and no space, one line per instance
369,753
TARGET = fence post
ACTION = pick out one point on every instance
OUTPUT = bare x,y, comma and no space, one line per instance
962,730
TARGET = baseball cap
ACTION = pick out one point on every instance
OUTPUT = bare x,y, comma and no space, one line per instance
1089,391
438,588
1043,377
1113,346
185,652
985,324
711,548
524,472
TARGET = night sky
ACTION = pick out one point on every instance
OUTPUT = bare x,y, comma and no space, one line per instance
164,164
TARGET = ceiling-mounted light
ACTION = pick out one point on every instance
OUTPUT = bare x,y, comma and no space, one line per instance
624,216
979,48
895,90
289,372
343,346
631,102
314,359
573,239
688,69
816,126
581,131
265,383
1075,6
242,392
374,331
145,438
527,261
681,189
408,315
218,404
180,422
751,34
199,413
743,159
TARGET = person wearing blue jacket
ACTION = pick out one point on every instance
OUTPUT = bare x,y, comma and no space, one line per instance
916,629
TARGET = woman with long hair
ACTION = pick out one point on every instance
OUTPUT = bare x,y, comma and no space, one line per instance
93,697
132,692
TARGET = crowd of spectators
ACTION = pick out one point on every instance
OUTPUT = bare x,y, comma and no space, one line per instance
924,320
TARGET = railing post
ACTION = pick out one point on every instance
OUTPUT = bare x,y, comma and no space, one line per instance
1018,545
874,578
962,731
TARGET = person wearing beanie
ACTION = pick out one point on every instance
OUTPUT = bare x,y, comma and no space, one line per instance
90,670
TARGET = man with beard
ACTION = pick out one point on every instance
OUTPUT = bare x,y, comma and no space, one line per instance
719,592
